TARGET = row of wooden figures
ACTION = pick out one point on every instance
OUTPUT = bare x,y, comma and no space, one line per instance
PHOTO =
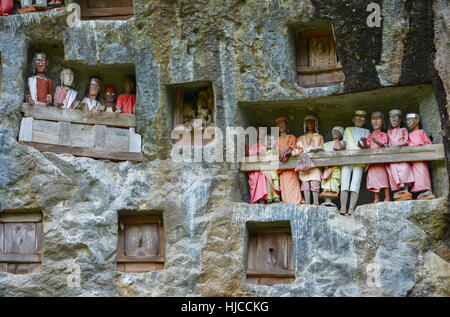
402,178
6,6
39,91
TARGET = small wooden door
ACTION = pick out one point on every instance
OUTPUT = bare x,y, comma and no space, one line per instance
106,9
270,257
318,62
140,244
20,243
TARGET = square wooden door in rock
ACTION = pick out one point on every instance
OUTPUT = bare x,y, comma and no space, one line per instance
317,59
140,244
106,9
270,257
20,243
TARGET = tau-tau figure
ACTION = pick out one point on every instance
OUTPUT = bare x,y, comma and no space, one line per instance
272,178
422,180
400,174
90,102
65,96
39,86
257,179
126,103
6,7
289,182
204,109
377,177
56,3
110,98
310,142
331,177
353,173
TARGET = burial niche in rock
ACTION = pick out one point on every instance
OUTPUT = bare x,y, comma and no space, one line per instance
270,256
193,114
318,63
106,9
140,243
21,242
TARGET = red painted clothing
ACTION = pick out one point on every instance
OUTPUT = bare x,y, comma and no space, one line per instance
126,103
6,7
399,173
422,179
377,176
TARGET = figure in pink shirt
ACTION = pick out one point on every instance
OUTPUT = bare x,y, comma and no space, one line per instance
377,176
422,180
400,174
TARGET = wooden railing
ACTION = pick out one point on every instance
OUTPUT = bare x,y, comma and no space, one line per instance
432,152
102,135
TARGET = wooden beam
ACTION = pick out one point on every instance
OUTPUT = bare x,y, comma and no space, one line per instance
433,152
79,151
123,120
140,259
20,217
20,258
270,274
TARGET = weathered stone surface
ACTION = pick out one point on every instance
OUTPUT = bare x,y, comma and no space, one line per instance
246,49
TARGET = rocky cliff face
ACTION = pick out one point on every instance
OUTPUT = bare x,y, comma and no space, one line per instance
245,48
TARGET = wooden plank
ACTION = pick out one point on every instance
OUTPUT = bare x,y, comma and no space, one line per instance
106,12
141,267
135,220
20,217
112,119
120,237
2,239
99,137
20,238
22,268
20,258
135,141
140,259
35,268
271,274
118,140
45,131
39,237
81,135
64,133
141,240
178,107
26,129
79,151
433,152
162,239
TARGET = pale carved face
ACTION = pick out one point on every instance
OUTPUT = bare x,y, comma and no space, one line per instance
377,123
128,86
94,89
395,120
311,125
336,134
67,77
413,124
359,120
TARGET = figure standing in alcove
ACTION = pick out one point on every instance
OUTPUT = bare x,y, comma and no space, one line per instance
377,177
90,101
39,86
331,177
352,174
422,179
289,181
126,103
400,174
65,96
310,142
110,98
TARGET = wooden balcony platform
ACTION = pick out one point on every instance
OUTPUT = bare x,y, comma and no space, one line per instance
432,152
101,135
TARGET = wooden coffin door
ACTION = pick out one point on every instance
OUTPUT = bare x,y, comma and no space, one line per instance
20,243
270,257
140,244
318,60
106,9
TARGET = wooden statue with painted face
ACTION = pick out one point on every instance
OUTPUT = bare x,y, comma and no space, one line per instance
39,86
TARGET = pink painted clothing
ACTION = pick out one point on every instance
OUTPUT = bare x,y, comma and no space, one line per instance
257,180
6,7
422,179
377,176
399,173
126,103
60,95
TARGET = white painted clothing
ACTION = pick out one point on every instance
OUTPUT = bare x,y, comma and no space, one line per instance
357,134
347,172
93,105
